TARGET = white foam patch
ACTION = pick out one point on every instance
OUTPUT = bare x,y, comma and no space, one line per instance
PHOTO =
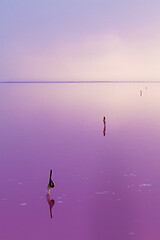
145,185
130,174
101,193
4,199
60,202
23,204
129,186
20,183
59,197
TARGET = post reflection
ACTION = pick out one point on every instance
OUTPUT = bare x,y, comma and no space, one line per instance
104,128
50,201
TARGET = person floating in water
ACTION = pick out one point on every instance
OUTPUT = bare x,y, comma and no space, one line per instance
104,129
50,201
51,183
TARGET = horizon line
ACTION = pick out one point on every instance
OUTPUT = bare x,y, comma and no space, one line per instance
141,81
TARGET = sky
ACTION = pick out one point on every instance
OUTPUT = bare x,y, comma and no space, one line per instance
77,40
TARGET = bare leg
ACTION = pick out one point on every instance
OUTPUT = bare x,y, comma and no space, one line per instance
50,178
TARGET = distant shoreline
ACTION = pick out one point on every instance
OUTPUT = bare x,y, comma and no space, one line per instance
6,82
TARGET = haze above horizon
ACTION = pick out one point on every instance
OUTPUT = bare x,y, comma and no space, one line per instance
88,39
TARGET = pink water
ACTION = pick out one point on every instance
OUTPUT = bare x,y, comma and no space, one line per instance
107,187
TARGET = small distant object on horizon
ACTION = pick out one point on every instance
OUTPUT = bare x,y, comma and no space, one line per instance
140,92
104,120
146,87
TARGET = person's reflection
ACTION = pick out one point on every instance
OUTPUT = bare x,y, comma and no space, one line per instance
50,201
104,129
140,92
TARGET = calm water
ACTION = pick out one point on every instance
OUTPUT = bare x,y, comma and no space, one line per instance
107,186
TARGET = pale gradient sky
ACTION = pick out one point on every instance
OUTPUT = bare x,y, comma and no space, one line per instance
79,40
